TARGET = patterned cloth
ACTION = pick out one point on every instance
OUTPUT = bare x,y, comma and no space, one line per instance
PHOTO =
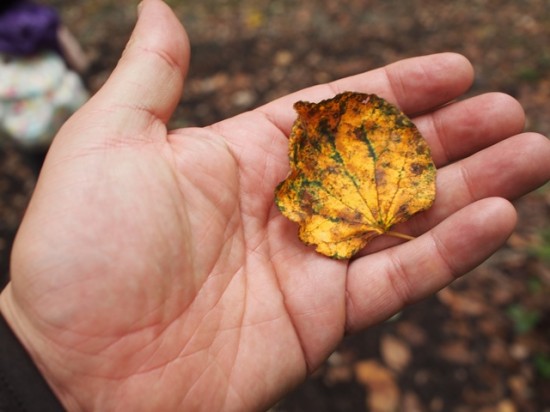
37,95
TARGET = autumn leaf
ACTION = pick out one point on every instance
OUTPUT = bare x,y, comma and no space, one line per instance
383,391
358,166
395,352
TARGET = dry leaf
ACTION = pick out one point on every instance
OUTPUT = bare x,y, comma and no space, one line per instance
395,352
461,303
506,405
411,403
412,333
358,167
457,352
383,392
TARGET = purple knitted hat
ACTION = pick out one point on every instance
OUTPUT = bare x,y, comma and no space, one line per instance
27,28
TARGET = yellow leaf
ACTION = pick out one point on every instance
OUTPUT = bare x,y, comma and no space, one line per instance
358,166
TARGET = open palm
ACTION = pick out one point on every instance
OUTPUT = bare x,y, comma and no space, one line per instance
153,271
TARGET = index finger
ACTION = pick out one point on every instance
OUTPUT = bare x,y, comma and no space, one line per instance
415,85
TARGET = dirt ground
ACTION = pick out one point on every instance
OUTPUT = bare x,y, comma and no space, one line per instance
482,344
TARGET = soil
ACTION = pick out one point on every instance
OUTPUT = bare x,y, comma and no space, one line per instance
482,344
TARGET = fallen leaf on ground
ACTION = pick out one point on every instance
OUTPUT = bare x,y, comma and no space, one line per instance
411,403
457,352
461,303
383,392
358,166
412,333
338,374
506,405
395,352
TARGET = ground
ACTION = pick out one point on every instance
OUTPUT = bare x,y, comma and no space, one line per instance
482,344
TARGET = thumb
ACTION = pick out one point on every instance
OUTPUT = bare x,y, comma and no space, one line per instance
146,84
150,73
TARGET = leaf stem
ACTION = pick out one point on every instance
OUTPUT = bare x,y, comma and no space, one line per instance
399,235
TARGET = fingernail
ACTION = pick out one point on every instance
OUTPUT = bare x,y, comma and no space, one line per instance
139,7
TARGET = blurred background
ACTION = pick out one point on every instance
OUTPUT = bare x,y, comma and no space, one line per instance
482,344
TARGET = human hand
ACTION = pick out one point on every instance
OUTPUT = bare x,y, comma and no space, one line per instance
153,271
